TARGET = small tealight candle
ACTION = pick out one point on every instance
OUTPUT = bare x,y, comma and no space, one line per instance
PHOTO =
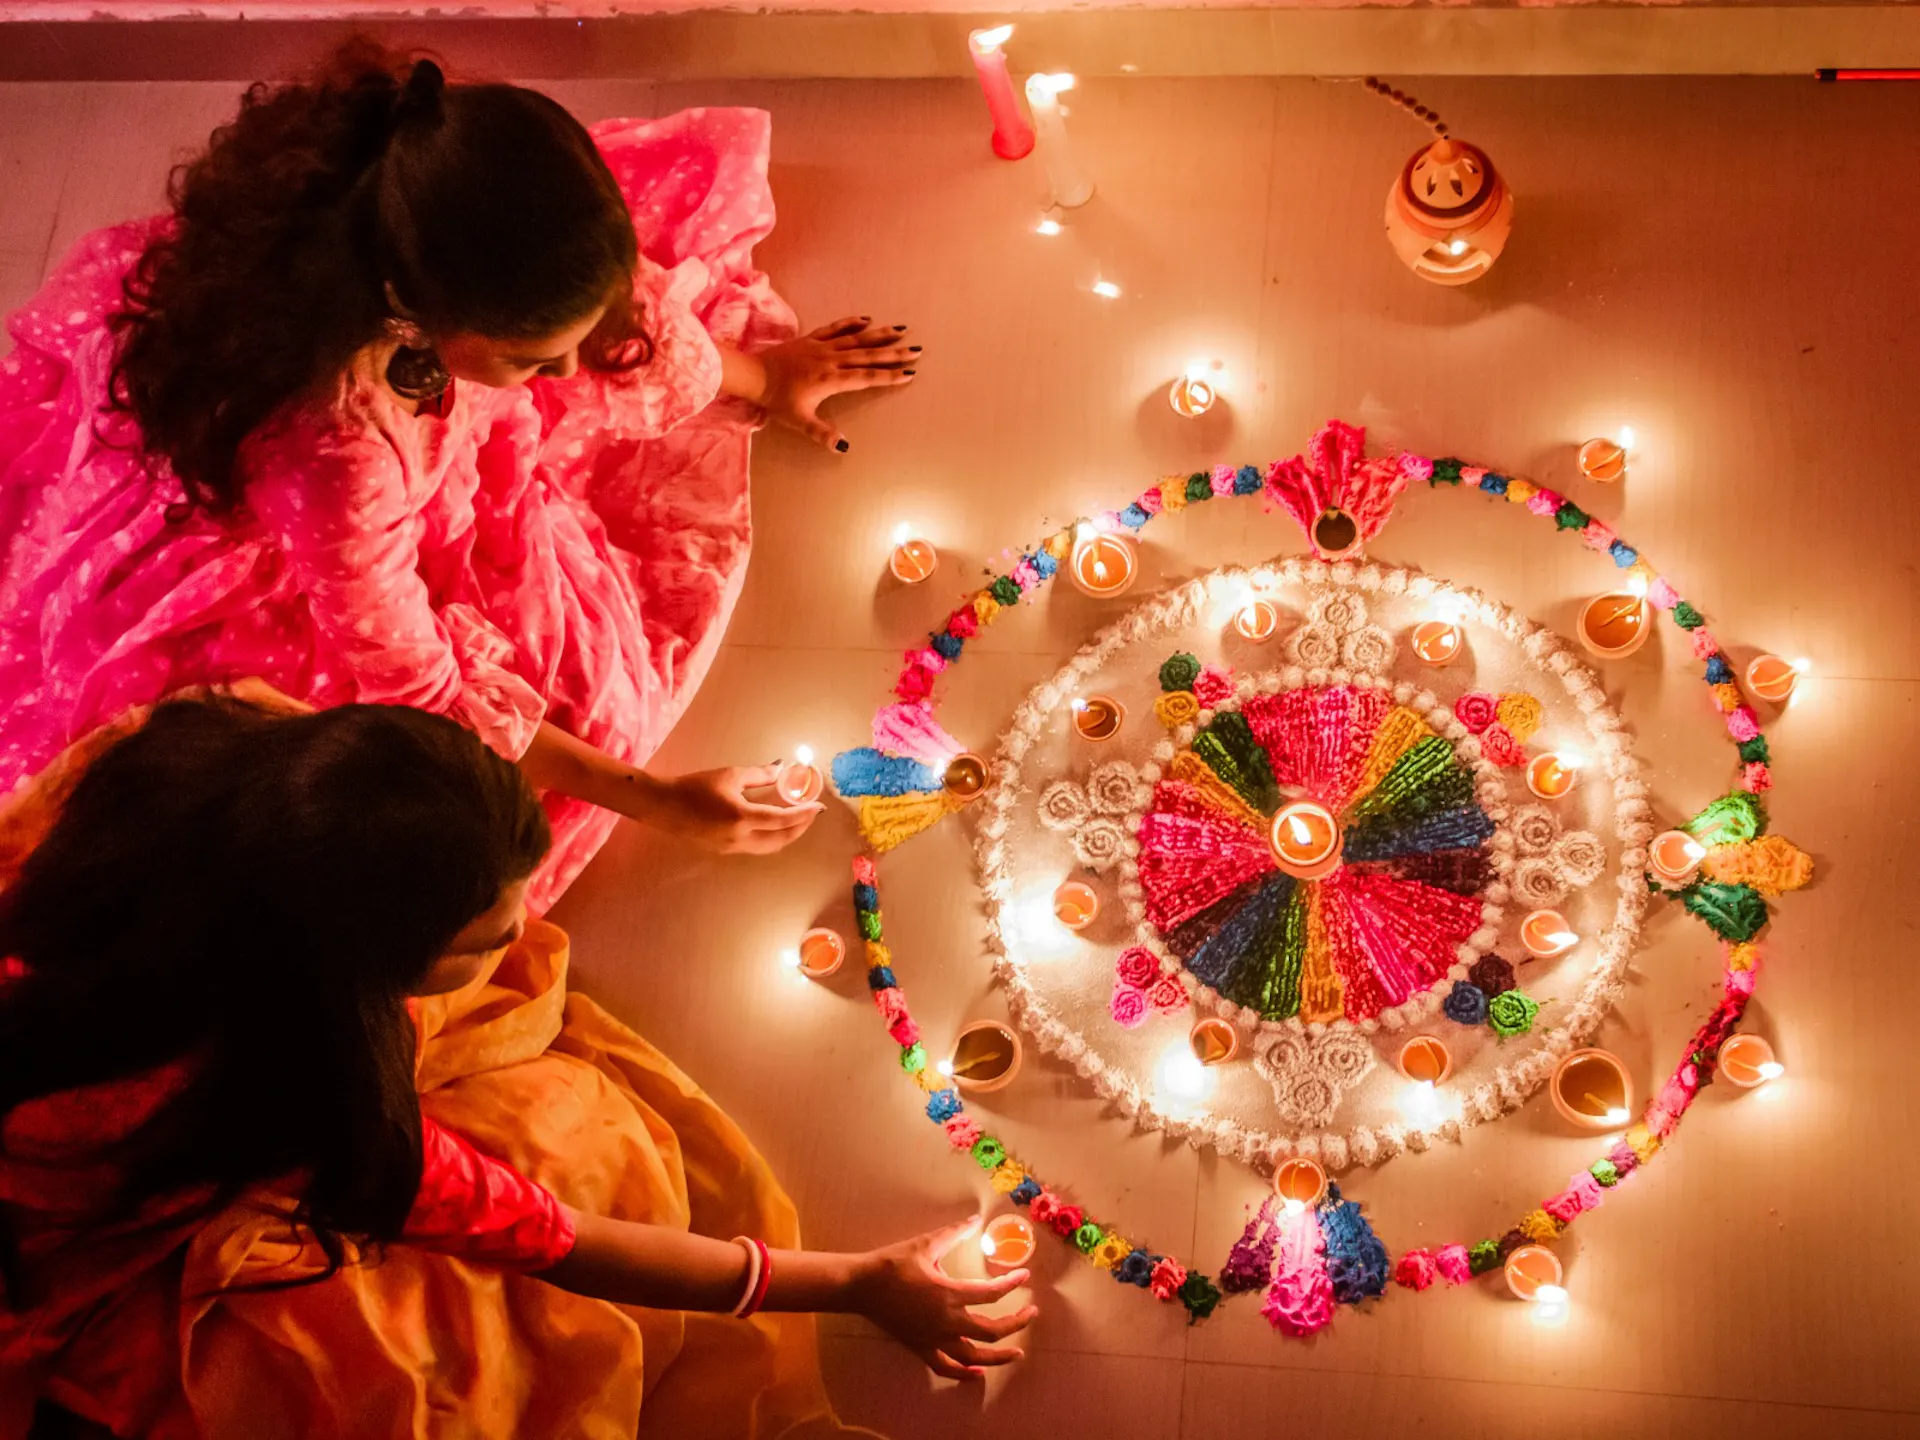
799,781
1103,565
1213,1041
913,558
966,776
1299,1182
1546,934
1551,776
1075,904
1747,1060
1591,1089
1098,717
1007,1243
1530,1268
1436,642
1336,536
820,953
1305,839
1191,395
985,1058
1603,460
1772,678
1425,1059
1257,620
1614,625
1675,857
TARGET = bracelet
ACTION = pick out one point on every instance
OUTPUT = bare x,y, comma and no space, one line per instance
762,1281
755,1263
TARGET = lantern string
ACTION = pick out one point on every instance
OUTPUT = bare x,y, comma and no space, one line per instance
1406,102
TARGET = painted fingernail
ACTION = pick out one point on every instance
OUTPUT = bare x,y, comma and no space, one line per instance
842,446
866,317
899,327
913,349
909,372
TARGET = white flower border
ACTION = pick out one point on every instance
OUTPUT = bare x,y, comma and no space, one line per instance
1511,1084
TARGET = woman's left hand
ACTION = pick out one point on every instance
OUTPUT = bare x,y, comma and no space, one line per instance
851,354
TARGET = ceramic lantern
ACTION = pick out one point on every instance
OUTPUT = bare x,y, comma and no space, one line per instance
1449,213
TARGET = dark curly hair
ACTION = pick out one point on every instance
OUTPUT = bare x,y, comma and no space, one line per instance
258,895
479,208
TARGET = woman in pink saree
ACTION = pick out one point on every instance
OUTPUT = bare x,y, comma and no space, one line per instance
425,395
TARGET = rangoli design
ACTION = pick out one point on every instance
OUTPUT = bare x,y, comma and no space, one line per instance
1439,851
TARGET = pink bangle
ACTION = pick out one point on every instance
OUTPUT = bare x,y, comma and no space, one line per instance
763,1280
755,1264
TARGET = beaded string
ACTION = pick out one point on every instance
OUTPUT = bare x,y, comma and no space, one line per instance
1407,103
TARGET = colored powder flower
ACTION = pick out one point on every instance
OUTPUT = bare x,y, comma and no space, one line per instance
985,607
1086,1237
1543,502
1248,480
1211,686
1491,975
1417,468
1179,672
962,1131
1199,1295
1597,536
1176,708
988,1153
1520,713
1493,484
914,684
1757,778
1453,1263
1008,1177
1137,967
1128,1006
963,623
1110,1252
1135,1268
1520,492
1133,517
1482,1256
1027,1192
1066,1220
1743,724
947,645
1024,575
1540,1227
1585,1188
913,1059
1623,554
1498,747
1604,1173
1416,1269
1221,481
943,1105
1466,1003
1563,1207
1662,594
1702,644
880,977
893,1006
905,1031
1005,590
1150,501
1511,1013
863,871
1476,710
1044,563
1167,994
1167,1278
1046,1206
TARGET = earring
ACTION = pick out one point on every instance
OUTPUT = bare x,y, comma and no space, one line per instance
415,372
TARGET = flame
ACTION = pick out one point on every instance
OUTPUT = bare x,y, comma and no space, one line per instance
1047,226
1561,937
790,958
985,42
1298,829
902,533
1106,289
803,754
1051,84
1626,437
1770,1069
987,1247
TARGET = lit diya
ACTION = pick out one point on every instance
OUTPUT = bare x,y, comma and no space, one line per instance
1306,840
1552,775
1614,625
985,1058
1103,565
1747,1060
1771,678
913,558
1529,1267
1191,395
799,781
1546,934
1007,1243
1675,856
1299,1182
1591,1089
966,776
1075,904
1257,620
1603,460
1436,642
1097,717
1425,1060
820,953
1214,1041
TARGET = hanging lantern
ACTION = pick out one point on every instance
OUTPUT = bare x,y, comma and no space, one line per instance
1449,213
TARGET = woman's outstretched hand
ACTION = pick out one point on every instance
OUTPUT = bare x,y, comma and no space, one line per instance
903,1290
712,808
850,354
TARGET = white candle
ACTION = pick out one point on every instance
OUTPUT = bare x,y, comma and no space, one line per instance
1071,187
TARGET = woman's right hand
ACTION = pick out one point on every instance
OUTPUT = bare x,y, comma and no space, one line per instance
903,1290
711,808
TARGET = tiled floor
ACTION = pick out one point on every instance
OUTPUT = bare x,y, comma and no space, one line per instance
1725,265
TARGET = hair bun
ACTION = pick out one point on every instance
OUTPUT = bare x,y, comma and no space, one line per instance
424,86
